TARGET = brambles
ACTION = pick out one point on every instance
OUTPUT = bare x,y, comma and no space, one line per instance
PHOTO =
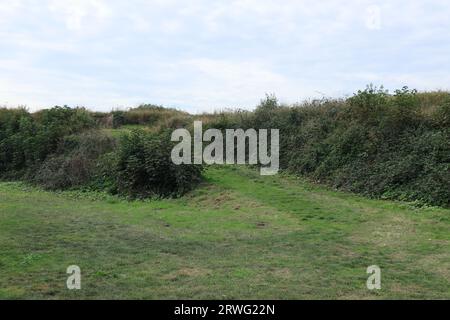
378,144
26,139
62,148
75,163
143,168
147,115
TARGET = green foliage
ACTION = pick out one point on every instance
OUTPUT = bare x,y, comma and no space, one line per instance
75,163
265,112
375,143
149,115
26,140
143,168
55,149
118,118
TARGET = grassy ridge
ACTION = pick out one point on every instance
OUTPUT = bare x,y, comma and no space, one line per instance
378,144
381,145
239,235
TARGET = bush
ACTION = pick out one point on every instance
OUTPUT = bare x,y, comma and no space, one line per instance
58,150
143,168
148,115
75,163
26,140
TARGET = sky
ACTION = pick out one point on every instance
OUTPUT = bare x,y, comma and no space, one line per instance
205,55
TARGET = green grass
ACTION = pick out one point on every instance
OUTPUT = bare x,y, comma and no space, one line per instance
239,236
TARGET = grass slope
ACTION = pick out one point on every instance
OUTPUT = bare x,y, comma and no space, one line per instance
238,236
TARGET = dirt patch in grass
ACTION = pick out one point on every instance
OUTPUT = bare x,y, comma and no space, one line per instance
439,264
187,272
392,230
283,273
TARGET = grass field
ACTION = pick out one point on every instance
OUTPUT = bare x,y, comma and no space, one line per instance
239,235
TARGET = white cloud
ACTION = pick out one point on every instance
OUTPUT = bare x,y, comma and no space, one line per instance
81,15
373,17
9,7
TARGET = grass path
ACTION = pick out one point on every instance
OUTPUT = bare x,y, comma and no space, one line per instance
238,236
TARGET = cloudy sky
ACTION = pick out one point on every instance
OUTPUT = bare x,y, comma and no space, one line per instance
200,55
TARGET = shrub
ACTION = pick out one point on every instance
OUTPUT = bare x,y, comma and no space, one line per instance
143,167
148,115
28,139
75,163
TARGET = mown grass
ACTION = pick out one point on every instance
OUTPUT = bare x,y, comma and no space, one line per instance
239,236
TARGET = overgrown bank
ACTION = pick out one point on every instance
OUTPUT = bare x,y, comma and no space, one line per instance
63,148
382,145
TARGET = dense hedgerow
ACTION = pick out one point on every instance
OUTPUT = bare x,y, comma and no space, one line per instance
62,148
26,139
382,145
150,115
